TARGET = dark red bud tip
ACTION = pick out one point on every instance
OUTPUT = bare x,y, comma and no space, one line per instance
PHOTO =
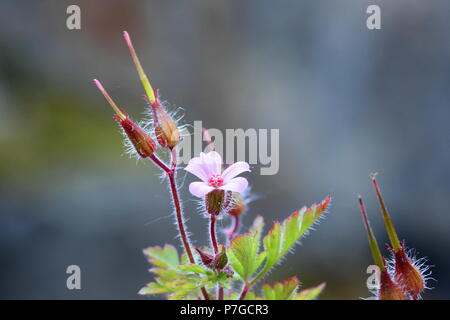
206,258
143,144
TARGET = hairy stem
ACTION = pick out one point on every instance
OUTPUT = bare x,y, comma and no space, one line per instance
212,233
178,210
219,293
179,215
234,229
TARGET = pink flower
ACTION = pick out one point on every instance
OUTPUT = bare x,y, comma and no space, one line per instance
208,167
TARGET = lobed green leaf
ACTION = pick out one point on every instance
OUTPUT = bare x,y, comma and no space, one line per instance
243,254
310,293
283,236
166,257
285,290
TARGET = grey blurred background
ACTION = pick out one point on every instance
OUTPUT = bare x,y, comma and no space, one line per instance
347,101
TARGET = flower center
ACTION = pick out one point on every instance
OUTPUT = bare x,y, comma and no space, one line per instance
215,181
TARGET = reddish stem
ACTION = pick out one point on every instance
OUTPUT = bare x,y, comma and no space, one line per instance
244,292
235,228
212,233
179,213
174,158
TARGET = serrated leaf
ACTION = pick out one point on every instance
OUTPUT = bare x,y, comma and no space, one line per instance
311,215
177,281
166,257
284,290
195,268
168,274
310,293
283,236
154,288
273,245
243,254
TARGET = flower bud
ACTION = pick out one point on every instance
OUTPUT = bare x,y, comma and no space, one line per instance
214,201
407,275
206,258
166,129
143,144
238,206
389,290
220,260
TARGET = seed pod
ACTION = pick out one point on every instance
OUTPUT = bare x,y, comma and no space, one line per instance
143,144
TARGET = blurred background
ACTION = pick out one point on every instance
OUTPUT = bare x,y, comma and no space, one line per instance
347,100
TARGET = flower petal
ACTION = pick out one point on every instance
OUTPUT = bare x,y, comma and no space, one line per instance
199,189
238,184
234,170
196,167
212,163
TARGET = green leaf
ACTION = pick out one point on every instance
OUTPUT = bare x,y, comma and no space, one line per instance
311,293
180,281
283,236
166,257
252,296
192,268
243,254
154,288
168,274
285,290
177,281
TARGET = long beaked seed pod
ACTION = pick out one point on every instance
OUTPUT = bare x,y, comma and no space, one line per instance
166,129
389,290
407,275
144,145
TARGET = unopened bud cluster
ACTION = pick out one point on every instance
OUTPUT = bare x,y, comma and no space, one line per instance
217,263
